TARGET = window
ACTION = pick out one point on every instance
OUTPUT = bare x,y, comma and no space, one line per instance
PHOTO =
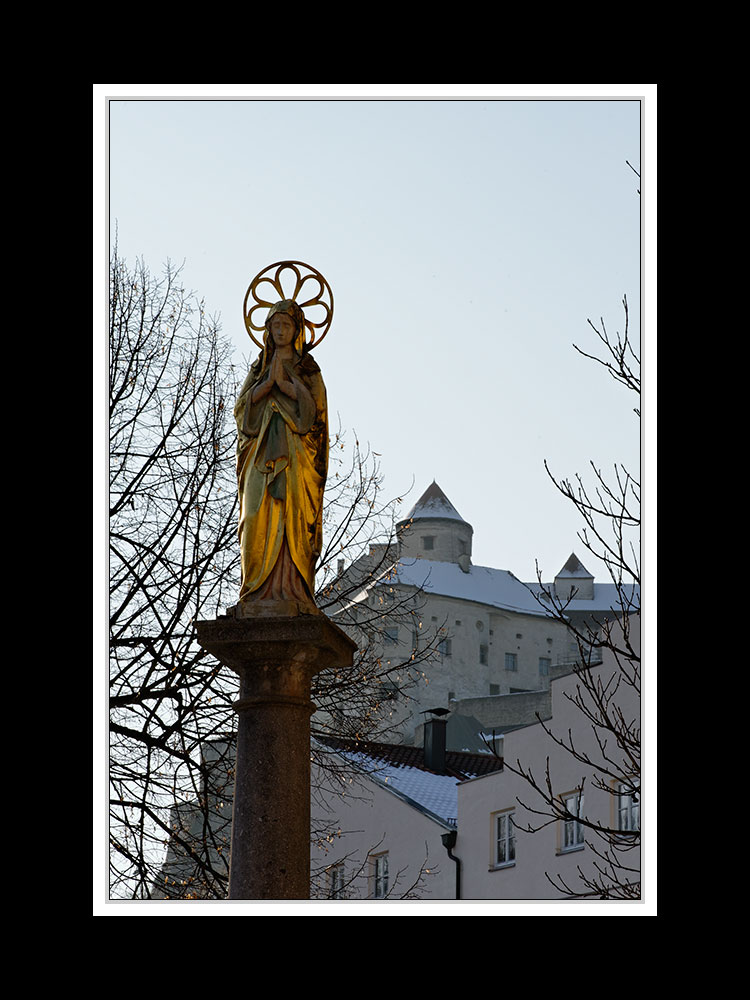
428,541
390,636
336,882
572,833
505,839
444,647
544,664
390,690
483,653
494,689
380,876
628,806
511,661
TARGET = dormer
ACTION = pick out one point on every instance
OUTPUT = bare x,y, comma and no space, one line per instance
574,576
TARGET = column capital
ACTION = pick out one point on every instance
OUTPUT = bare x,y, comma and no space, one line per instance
307,642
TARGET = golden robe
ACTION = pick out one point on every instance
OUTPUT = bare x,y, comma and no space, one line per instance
282,463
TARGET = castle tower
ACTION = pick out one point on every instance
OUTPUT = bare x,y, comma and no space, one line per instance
433,529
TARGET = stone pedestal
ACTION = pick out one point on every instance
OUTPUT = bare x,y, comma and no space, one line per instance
275,658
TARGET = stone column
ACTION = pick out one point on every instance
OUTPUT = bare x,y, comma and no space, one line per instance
275,658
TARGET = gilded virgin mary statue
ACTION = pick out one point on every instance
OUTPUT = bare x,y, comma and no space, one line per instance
282,453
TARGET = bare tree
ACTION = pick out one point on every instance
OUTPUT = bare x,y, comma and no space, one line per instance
611,512
174,558
608,670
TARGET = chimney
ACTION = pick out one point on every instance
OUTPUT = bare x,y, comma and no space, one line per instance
434,745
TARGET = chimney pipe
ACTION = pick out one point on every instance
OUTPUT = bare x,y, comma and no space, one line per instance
434,745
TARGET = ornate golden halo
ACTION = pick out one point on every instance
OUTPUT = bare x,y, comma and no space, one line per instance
313,337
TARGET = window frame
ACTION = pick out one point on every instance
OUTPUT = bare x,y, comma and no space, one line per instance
445,647
504,818
632,807
379,875
391,635
336,881
572,836
512,659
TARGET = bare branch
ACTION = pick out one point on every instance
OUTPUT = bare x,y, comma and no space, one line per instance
606,739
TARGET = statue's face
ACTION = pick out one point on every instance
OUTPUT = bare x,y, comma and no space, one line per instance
282,329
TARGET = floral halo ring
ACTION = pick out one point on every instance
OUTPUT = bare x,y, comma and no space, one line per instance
322,298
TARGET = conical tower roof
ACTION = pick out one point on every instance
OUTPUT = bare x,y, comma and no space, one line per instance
433,504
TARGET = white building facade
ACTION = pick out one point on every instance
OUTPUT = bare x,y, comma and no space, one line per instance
503,665
410,827
389,820
495,635
500,859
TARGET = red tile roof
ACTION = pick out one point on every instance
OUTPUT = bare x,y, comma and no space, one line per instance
458,764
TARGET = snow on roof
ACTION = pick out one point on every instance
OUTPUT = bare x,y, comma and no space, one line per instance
495,587
606,597
433,503
575,568
401,770
437,793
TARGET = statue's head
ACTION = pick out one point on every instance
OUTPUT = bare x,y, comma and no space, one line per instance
287,307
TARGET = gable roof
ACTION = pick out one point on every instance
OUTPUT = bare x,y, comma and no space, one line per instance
575,568
401,770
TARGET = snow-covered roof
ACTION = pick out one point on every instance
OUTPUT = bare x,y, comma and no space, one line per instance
435,793
606,597
433,504
495,587
575,568
401,770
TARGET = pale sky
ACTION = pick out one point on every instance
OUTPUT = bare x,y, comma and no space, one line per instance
468,234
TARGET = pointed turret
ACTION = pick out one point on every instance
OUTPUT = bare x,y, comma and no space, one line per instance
433,529
433,503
